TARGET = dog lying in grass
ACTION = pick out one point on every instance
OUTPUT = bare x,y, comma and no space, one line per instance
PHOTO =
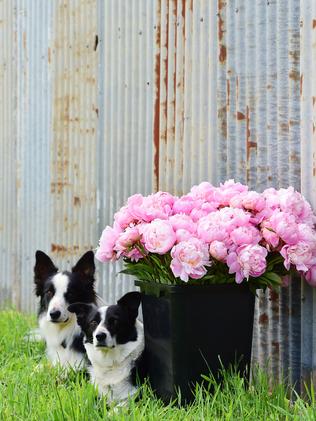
114,341
57,290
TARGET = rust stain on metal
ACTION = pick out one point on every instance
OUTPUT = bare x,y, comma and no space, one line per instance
77,201
295,158
314,23
222,53
294,75
276,346
314,100
49,57
273,296
63,250
156,124
284,127
228,92
240,115
263,319
175,13
183,12
96,109
237,87
58,186
222,117
164,104
301,84
250,144
24,40
221,30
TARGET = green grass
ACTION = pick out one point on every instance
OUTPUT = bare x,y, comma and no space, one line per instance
32,390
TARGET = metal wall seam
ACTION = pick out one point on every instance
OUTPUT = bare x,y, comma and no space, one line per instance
9,279
74,131
128,70
308,170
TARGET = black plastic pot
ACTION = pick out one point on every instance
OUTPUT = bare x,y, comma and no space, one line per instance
191,330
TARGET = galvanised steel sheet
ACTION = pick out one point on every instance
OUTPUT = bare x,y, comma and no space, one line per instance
106,99
9,290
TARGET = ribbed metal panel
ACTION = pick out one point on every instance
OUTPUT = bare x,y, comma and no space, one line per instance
75,114
125,160
258,139
33,139
185,106
308,151
105,99
8,184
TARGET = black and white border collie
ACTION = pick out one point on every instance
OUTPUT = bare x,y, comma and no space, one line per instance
114,341
57,290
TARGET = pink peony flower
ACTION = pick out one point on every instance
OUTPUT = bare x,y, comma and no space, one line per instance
204,191
206,208
125,242
245,235
158,236
299,255
183,235
105,251
227,191
271,237
185,204
123,217
310,276
253,201
284,225
307,234
209,229
272,198
157,205
218,250
182,221
247,261
294,203
189,259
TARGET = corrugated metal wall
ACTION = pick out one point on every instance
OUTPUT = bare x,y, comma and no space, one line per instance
100,100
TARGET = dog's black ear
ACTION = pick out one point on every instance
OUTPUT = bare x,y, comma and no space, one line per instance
85,265
81,310
44,267
131,302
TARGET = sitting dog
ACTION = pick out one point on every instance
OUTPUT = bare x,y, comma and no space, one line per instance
114,341
57,290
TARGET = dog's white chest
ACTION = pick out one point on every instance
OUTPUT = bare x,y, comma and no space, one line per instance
110,370
58,343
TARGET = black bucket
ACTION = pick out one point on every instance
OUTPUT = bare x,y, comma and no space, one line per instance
191,330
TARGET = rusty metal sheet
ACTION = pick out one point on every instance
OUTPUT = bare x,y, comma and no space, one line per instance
106,99
308,182
73,172
126,160
9,274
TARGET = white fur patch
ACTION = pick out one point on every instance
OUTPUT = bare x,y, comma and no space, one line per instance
58,302
109,342
111,367
63,332
54,335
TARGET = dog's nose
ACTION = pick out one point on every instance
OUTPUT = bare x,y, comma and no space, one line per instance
101,337
54,315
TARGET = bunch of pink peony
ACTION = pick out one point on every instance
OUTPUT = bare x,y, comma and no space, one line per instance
216,234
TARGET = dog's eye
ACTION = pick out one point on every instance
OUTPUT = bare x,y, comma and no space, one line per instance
93,324
113,321
49,293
